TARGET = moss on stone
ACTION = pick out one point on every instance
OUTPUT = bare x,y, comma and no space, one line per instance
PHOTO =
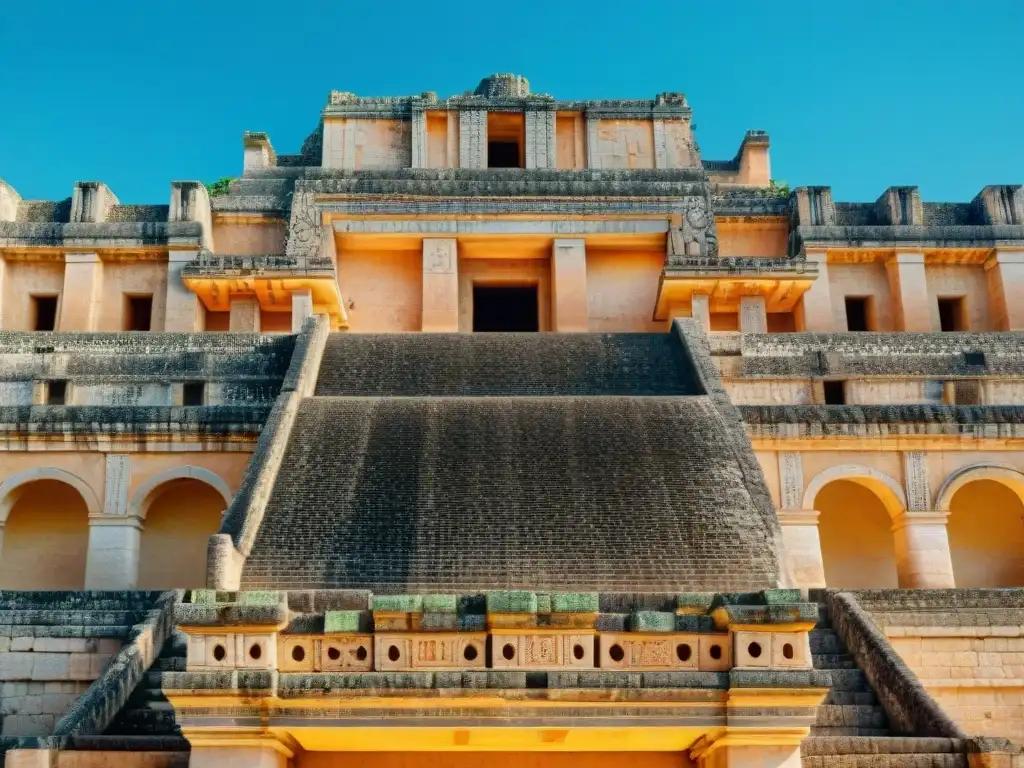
574,602
203,596
511,601
440,603
397,603
347,622
652,621
781,596
694,601
260,597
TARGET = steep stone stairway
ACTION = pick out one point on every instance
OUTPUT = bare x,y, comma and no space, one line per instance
148,713
852,729
512,460
851,707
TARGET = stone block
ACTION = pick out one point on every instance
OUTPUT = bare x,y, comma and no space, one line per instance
396,621
715,653
16,666
256,651
791,650
542,650
660,651
297,653
432,651
22,643
346,653
218,652
752,650
342,622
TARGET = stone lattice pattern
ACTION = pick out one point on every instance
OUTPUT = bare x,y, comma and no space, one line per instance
433,462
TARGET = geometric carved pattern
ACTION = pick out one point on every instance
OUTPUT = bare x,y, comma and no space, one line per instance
791,476
916,473
473,138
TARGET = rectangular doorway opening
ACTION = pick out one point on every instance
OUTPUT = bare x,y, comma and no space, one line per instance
506,140
138,313
951,314
858,313
44,313
505,308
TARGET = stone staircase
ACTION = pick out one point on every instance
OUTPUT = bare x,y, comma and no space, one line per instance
148,713
851,707
464,462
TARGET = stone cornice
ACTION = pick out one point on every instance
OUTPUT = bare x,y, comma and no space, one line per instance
90,236
920,236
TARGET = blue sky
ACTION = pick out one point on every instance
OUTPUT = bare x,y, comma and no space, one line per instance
859,95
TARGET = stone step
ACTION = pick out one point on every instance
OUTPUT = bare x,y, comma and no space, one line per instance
882,752
144,722
832,731
851,715
826,641
846,680
169,664
833,661
861,698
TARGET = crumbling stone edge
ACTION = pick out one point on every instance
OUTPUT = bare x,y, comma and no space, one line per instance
911,710
229,548
696,343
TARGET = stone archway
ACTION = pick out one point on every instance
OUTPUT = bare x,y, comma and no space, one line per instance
857,506
45,515
985,525
180,508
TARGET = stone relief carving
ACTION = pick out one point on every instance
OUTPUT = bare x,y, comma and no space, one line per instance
303,238
791,469
916,473
698,236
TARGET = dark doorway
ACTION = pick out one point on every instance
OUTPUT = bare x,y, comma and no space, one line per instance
139,313
502,154
951,314
45,311
505,308
857,314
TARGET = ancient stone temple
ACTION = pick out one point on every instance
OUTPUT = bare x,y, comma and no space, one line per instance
505,430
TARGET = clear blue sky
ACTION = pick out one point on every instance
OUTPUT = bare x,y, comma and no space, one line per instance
859,95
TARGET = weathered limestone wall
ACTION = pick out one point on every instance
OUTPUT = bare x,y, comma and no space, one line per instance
22,280
384,290
355,143
621,144
622,288
965,646
861,280
570,141
439,137
42,677
966,280
261,236
758,240
131,278
975,673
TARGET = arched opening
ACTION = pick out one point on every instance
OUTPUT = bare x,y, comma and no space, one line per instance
180,517
986,535
45,538
856,537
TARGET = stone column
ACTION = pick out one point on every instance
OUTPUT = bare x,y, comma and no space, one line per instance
540,138
302,308
418,129
593,148
440,285
1005,273
803,546
83,292
817,301
245,314
569,285
112,561
909,290
181,312
753,315
700,310
473,138
922,550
